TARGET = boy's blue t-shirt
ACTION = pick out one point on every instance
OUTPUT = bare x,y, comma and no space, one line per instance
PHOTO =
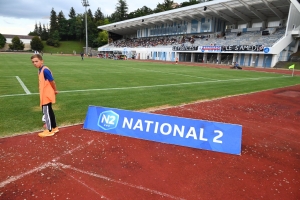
47,74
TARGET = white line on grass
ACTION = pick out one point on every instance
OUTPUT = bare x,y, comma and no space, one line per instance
23,85
154,86
172,73
165,85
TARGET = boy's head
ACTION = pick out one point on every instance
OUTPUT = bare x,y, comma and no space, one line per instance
37,60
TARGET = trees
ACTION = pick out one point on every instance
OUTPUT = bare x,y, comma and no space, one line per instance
40,30
188,3
53,22
72,13
106,21
36,29
54,39
79,27
73,28
36,44
140,12
62,26
45,33
102,38
90,14
98,16
121,11
16,44
167,5
2,41
92,29
72,24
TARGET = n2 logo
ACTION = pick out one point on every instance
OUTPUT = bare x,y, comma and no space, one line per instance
108,120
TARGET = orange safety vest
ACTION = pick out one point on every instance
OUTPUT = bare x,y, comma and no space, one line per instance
47,94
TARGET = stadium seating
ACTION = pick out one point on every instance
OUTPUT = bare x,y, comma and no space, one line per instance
231,38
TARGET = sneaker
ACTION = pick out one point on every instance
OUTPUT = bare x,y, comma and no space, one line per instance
55,130
46,133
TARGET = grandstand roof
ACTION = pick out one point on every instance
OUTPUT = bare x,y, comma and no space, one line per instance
232,11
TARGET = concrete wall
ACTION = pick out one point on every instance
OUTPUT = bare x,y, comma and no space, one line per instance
26,43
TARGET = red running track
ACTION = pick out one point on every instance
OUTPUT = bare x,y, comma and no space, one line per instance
82,164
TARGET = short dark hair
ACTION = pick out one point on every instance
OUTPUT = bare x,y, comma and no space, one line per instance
38,56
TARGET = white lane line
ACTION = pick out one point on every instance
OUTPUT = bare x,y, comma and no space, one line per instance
55,164
23,85
41,167
101,196
117,181
15,178
72,150
154,86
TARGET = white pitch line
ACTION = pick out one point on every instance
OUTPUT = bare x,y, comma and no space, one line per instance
23,85
172,73
165,85
153,86
117,181
14,95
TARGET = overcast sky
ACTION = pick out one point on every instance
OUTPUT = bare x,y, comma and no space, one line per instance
18,17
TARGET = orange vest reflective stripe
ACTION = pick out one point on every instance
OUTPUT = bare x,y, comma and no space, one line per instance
47,94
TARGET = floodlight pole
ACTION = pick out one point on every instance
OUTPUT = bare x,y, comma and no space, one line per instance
85,3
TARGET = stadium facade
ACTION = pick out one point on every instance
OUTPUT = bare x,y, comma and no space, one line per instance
256,33
24,38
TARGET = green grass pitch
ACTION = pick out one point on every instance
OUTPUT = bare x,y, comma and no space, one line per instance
122,84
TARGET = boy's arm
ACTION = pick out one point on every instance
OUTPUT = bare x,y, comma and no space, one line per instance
53,85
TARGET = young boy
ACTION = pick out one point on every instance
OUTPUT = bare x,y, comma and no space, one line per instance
47,89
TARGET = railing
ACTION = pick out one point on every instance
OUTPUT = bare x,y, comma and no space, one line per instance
247,38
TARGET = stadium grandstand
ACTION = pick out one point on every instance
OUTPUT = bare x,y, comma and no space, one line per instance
256,33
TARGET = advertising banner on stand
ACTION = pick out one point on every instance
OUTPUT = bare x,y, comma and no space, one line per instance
201,134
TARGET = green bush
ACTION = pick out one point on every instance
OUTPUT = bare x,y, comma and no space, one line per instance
2,41
52,42
36,43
